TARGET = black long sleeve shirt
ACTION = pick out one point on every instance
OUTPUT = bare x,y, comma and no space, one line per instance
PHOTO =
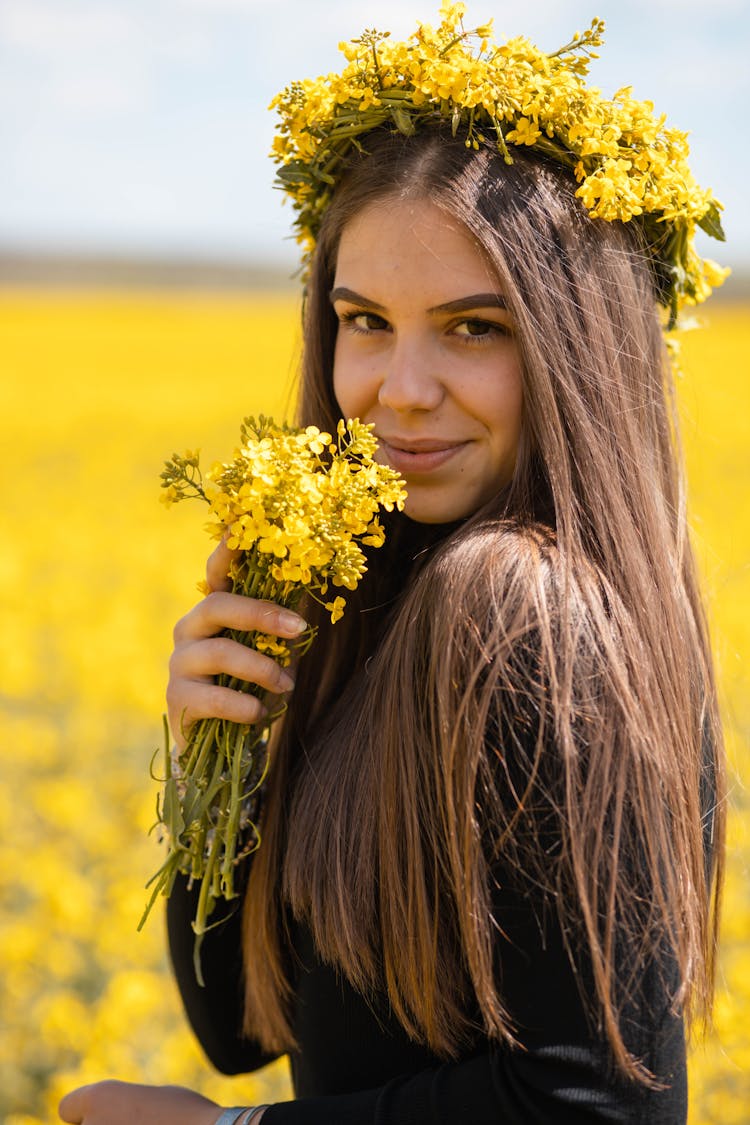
357,1066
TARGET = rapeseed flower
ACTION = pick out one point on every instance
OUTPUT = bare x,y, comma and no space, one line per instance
69,674
298,505
629,165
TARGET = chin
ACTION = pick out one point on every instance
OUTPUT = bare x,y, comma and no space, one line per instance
434,514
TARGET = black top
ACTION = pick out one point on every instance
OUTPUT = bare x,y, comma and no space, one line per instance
357,1066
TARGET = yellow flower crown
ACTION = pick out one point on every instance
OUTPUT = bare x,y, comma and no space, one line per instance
628,165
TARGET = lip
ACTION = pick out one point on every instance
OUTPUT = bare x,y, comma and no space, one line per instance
418,455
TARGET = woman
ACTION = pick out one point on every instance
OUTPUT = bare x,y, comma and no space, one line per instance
492,829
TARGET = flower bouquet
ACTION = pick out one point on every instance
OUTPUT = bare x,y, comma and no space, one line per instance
298,505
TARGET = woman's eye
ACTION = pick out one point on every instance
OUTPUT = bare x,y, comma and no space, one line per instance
479,329
363,321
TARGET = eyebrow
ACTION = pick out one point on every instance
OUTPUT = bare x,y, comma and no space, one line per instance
462,304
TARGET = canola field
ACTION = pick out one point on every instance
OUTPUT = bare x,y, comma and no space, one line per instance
96,390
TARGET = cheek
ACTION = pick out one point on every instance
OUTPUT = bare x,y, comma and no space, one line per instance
350,383
341,383
505,418
514,410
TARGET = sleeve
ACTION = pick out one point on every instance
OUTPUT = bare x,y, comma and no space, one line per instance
214,1011
559,1074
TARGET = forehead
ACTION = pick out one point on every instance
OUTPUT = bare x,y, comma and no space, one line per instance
402,242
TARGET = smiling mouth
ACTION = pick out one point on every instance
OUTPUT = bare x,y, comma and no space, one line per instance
419,455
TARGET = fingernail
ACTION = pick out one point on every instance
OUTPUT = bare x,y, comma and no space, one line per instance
286,681
291,623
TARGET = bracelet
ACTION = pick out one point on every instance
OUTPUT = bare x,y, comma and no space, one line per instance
230,1116
251,1116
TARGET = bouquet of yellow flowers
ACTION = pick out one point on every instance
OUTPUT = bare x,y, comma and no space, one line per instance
298,505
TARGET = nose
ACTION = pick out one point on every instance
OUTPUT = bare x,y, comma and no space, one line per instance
409,380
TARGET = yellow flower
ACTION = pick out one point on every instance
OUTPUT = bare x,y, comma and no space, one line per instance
169,496
436,73
272,646
299,507
315,440
525,132
336,609
715,274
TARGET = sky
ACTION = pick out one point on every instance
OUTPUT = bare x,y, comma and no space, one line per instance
141,126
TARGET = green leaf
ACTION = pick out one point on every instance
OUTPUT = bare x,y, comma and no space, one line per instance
402,121
294,174
711,224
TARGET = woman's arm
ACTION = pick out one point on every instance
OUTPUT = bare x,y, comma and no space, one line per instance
561,1072
214,1011
200,653
123,1103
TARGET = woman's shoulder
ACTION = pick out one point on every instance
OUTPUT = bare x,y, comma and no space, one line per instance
513,576
502,542
493,553
520,635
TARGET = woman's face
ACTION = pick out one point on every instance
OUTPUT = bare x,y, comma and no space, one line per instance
425,351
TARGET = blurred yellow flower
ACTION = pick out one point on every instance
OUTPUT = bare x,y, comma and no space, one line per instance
85,647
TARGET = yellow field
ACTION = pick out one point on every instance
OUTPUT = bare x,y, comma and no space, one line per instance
95,391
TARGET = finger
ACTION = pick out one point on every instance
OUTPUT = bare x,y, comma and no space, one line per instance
215,656
217,567
222,610
192,693
211,701
72,1105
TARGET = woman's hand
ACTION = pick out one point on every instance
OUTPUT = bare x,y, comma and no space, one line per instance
125,1103
200,654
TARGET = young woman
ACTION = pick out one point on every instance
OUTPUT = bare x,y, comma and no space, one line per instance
491,835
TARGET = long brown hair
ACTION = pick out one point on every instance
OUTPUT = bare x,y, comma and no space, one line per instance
532,686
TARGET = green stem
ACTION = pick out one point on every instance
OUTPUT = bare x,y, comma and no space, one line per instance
205,906
217,766
233,813
203,910
200,744
163,877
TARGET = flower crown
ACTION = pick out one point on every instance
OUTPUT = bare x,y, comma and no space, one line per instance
628,165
